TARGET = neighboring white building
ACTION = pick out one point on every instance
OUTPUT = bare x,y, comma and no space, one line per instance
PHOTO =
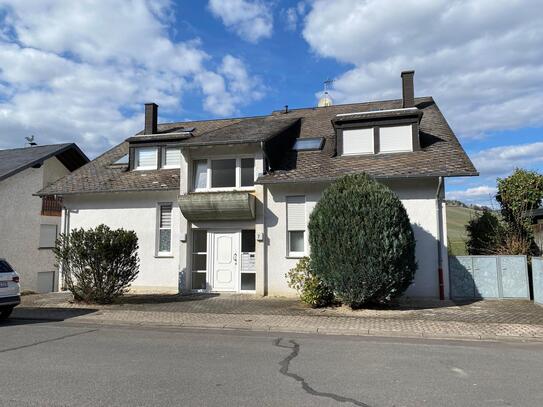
29,224
223,205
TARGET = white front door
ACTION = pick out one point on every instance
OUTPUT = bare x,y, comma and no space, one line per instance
225,261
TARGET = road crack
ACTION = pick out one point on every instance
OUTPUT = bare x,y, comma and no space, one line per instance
47,341
285,364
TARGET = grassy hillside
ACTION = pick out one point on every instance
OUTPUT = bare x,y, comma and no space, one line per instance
457,219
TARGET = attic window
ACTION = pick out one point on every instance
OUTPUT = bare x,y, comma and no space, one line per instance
122,161
146,158
308,144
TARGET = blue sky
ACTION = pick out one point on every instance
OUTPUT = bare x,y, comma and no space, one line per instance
81,71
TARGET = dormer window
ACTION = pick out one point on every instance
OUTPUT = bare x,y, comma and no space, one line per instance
171,157
146,158
378,132
378,139
395,139
358,141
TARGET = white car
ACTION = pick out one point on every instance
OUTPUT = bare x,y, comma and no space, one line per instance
10,290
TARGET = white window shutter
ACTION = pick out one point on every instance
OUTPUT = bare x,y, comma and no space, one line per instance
147,157
395,139
172,157
166,217
358,141
296,212
48,235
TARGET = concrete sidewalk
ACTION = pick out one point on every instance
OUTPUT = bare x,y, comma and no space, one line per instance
479,320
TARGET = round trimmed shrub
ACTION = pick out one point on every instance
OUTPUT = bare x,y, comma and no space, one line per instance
362,244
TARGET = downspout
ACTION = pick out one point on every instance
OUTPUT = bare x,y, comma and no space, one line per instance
440,239
266,161
65,231
264,226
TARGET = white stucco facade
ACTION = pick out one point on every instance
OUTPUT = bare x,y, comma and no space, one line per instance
21,221
418,197
138,211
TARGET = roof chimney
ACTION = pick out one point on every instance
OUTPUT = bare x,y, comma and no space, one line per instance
151,118
408,88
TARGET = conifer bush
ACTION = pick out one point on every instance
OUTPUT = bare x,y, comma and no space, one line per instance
362,243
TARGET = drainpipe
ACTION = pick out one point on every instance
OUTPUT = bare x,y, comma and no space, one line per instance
266,161
440,239
65,231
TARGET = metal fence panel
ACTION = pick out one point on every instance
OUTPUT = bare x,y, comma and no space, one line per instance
537,277
485,272
461,273
489,277
514,277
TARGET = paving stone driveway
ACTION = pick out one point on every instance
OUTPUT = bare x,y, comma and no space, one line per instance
492,312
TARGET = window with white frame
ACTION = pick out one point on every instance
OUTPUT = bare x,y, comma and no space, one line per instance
223,173
358,141
164,233
199,259
248,260
296,225
146,158
171,157
48,236
394,139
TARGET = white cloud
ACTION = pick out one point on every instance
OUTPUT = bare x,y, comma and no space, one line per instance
71,69
250,20
230,87
482,195
492,163
481,60
500,161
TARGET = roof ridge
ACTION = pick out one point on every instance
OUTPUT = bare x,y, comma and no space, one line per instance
37,146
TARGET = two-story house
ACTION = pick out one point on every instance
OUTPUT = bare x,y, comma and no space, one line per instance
29,225
223,205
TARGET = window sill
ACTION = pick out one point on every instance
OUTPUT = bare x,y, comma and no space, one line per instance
164,256
240,189
295,256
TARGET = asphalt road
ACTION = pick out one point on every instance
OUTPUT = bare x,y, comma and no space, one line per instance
62,364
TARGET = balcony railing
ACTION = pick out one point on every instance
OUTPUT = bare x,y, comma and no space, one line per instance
51,206
234,205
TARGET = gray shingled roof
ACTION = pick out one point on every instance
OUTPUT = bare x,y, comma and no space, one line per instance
15,160
440,154
100,175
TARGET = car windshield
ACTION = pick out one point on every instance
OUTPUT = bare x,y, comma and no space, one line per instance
5,267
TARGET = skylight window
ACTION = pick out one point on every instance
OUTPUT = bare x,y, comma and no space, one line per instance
308,144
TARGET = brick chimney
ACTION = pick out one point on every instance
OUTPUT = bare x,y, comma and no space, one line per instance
408,89
151,118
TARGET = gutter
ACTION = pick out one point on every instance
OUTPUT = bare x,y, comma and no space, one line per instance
440,239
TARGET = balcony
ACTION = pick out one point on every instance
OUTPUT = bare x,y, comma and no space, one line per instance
51,206
206,206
